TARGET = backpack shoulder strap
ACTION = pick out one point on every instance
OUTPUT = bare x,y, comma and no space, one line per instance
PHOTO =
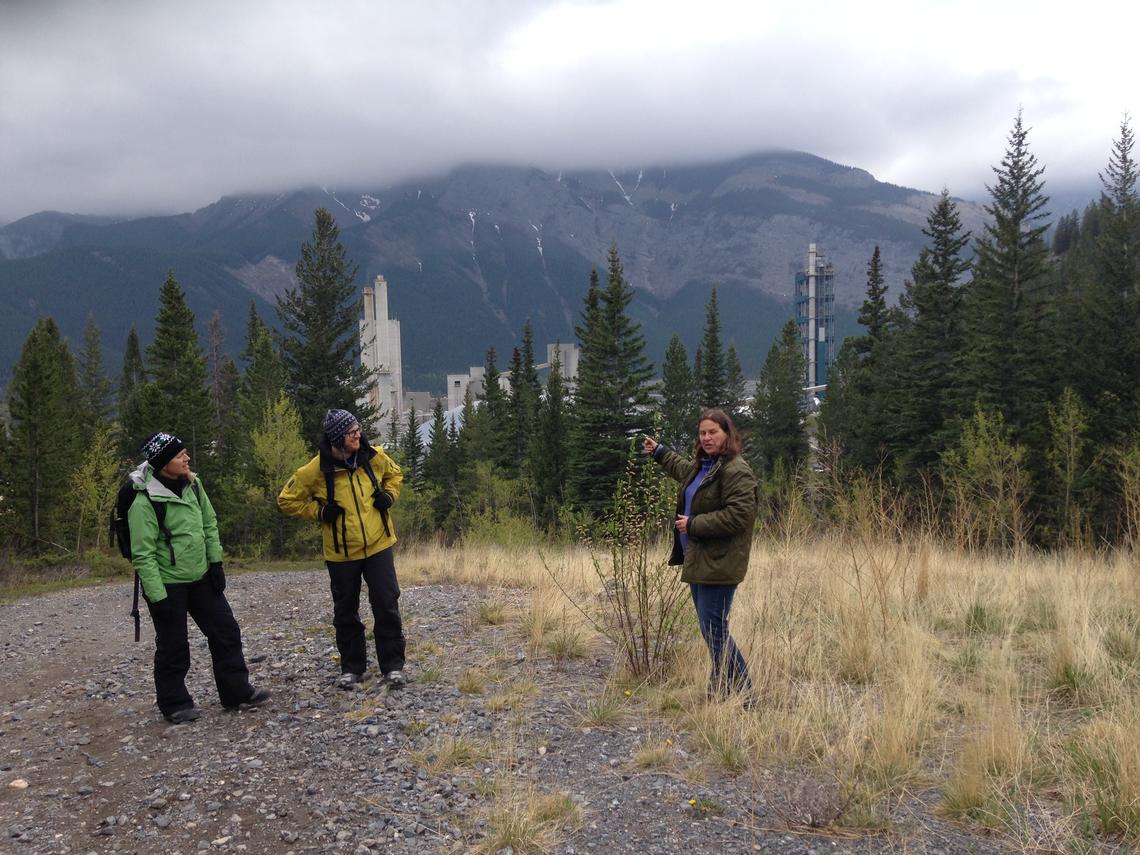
371,475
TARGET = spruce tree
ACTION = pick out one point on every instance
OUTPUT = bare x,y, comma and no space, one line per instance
712,378
548,452
321,345
734,387
779,438
931,342
177,399
95,390
522,403
1004,365
413,449
263,380
873,313
612,395
132,430
43,444
678,397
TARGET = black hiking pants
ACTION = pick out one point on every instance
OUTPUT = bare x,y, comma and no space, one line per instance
211,611
379,572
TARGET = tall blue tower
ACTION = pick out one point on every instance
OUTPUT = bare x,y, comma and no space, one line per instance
815,317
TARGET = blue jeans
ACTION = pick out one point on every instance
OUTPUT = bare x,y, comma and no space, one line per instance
729,670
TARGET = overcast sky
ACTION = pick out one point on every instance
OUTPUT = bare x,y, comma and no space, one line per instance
126,107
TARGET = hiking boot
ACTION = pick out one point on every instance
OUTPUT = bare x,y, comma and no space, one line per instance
183,716
348,680
395,679
256,699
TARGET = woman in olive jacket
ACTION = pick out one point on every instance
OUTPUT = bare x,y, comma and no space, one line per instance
712,536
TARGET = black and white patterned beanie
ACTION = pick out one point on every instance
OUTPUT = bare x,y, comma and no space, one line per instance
337,423
161,448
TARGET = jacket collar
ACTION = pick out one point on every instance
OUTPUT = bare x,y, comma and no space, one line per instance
328,462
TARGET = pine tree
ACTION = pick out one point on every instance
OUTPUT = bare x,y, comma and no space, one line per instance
437,459
132,429
43,444
734,386
321,346
95,390
779,438
413,449
612,396
678,397
712,379
873,313
178,398
263,380
490,436
522,403
931,342
548,452
1004,363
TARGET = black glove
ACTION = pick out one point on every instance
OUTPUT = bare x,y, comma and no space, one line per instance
217,576
382,499
330,512
162,610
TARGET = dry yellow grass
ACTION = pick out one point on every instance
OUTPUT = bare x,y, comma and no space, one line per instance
1004,681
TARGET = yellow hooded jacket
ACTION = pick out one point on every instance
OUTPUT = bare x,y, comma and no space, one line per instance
363,531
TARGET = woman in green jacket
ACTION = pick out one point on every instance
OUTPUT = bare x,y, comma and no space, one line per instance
176,551
712,536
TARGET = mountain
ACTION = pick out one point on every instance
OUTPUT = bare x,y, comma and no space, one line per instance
469,256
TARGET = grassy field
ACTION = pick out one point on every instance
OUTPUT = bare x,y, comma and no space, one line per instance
1004,690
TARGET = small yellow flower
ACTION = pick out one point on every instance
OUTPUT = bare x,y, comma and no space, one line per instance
668,741
692,801
628,693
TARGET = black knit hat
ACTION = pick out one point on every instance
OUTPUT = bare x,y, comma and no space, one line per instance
161,448
337,423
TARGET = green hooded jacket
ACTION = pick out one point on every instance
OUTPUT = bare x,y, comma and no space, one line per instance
193,528
721,520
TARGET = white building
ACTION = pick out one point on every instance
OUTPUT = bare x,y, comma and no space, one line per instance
380,350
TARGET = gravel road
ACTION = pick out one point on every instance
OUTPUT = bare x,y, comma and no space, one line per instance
88,765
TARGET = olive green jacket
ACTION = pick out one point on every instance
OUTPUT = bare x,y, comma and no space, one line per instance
721,520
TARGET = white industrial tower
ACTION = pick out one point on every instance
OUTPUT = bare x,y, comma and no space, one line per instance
380,351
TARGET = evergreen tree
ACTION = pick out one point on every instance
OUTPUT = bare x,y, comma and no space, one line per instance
612,395
413,449
678,397
779,438
734,386
491,437
437,461
95,391
857,409
548,452
263,380
133,432
178,398
873,313
43,445
1004,365
321,347
712,378
522,405
930,343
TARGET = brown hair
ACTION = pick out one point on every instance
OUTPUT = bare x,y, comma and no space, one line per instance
732,445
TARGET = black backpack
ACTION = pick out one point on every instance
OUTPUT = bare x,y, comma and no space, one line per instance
120,531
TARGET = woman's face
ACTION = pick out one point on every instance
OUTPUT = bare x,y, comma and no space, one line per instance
712,437
179,465
352,441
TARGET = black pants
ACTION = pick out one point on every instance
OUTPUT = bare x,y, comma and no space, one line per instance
379,571
211,611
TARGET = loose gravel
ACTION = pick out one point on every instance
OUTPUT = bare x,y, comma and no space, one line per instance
87,765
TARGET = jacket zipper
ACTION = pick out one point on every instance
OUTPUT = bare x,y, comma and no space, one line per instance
359,513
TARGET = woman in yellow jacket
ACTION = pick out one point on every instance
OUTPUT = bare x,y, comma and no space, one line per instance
350,487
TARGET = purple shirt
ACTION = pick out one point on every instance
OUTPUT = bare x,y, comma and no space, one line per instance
690,491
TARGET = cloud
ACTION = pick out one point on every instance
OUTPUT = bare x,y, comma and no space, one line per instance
163,106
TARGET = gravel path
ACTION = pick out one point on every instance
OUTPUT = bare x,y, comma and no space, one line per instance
88,765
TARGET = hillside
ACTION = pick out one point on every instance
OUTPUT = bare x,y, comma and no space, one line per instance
471,255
